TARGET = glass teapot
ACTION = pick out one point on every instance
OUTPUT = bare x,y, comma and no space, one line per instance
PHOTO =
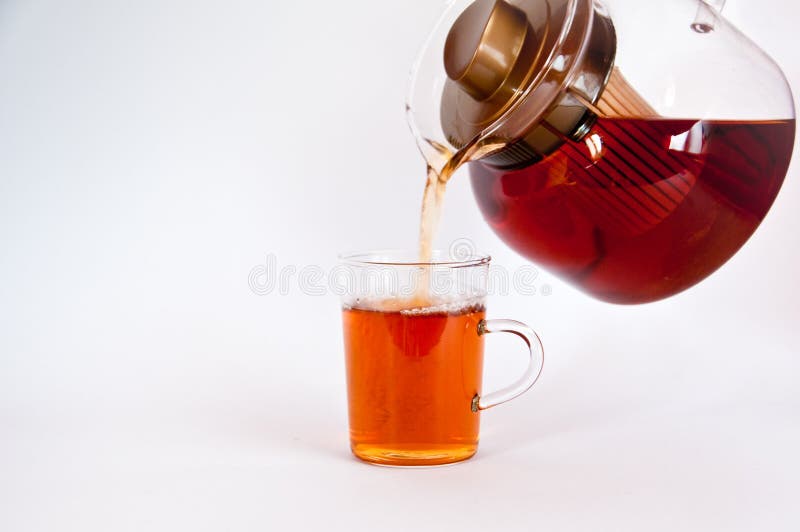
630,148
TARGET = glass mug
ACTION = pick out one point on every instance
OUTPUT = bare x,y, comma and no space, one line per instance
413,339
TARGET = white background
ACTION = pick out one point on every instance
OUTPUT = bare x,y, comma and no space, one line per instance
152,153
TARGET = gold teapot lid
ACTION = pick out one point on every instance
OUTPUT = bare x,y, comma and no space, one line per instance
529,69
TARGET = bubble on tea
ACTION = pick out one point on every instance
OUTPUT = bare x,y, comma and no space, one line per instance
456,306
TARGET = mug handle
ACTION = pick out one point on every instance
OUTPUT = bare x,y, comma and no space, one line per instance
531,375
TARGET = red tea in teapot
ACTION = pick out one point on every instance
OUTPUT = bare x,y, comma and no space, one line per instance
640,209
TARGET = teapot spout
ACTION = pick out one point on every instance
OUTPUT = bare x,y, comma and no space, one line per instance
707,13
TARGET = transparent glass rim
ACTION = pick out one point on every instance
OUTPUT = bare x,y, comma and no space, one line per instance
405,257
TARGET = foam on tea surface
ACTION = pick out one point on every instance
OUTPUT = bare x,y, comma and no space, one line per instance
420,306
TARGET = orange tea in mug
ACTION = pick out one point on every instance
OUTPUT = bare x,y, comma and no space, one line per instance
415,363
